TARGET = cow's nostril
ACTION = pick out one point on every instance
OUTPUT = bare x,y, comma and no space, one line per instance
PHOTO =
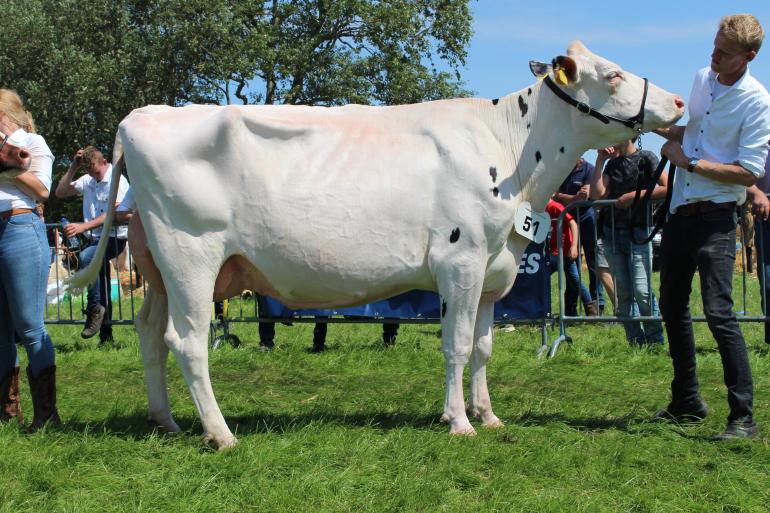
24,154
679,102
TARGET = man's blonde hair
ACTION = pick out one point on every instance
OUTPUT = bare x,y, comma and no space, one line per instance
91,154
744,30
13,107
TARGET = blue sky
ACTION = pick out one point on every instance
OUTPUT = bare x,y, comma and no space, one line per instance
665,41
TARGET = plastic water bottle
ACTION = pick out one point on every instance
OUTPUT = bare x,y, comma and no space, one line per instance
71,242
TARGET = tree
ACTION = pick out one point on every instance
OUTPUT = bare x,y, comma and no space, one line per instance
83,65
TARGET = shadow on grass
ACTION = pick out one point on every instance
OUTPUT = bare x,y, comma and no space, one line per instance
588,424
135,426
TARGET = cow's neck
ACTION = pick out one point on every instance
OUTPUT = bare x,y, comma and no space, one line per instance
544,145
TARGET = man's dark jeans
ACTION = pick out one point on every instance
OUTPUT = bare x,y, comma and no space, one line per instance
100,292
705,242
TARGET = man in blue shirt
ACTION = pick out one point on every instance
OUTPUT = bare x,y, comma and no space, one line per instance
575,188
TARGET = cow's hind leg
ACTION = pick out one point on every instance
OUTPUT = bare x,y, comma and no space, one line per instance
460,293
151,325
480,404
187,336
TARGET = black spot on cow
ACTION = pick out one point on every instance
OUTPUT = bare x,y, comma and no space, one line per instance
529,125
443,309
523,107
538,156
494,102
529,91
561,150
455,235
495,192
493,173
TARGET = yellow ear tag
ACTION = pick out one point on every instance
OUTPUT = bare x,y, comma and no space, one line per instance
561,77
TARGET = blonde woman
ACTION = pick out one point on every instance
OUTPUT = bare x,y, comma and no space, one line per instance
24,263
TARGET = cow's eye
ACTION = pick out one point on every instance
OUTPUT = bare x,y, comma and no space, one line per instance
614,76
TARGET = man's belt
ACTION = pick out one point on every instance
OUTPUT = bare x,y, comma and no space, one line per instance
14,212
703,207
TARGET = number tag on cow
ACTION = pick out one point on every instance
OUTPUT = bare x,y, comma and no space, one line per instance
532,225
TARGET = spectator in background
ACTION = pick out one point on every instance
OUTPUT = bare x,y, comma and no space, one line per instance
24,265
576,187
569,242
760,206
267,331
630,263
94,186
719,154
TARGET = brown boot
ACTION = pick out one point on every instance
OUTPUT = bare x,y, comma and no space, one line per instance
592,308
43,389
10,406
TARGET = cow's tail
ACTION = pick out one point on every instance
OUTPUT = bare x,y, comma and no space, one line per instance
88,275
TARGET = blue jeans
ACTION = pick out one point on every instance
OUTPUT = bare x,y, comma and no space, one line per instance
587,225
572,278
705,242
762,234
100,292
631,266
24,264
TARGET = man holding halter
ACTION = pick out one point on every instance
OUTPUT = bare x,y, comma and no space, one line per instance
719,154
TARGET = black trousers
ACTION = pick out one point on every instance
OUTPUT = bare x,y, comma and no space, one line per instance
705,242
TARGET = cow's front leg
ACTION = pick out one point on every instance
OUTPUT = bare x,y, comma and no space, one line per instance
187,336
480,404
150,326
459,306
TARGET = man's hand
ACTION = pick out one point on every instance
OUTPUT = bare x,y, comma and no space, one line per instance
573,252
674,152
77,159
757,200
73,229
625,201
582,194
606,153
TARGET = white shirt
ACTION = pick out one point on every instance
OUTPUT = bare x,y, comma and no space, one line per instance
40,166
96,196
128,204
733,126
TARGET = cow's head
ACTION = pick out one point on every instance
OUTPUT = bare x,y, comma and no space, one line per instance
612,92
14,160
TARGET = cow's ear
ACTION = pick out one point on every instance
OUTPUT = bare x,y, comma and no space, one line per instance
539,69
564,70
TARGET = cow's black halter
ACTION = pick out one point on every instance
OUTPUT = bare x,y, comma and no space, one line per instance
586,109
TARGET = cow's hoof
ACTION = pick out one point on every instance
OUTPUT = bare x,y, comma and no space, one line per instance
164,426
220,444
493,423
461,426
444,418
463,431
488,420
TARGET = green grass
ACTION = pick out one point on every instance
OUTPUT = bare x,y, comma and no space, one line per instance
356,429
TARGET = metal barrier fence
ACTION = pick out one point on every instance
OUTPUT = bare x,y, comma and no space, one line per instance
565,319
63,308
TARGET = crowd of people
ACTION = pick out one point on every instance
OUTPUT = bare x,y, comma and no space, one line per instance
720,158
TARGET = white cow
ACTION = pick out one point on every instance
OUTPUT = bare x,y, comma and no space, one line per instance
334,207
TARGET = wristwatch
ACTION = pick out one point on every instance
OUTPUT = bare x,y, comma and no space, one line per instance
691,165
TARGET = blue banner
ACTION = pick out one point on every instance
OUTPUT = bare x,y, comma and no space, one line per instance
530,298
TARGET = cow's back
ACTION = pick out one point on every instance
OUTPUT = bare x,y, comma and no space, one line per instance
325,202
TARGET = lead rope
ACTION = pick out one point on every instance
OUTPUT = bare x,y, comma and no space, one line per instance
640,204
